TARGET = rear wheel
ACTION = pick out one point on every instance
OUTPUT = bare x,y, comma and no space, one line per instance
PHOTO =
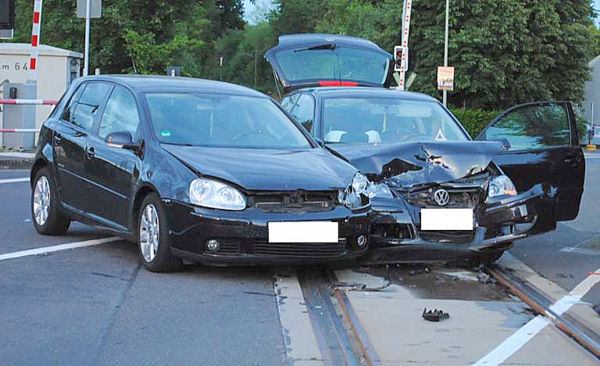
45,213
153,237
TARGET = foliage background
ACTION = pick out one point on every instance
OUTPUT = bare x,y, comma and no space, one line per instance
505,51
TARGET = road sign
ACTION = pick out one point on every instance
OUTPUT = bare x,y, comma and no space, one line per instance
95,9
446,78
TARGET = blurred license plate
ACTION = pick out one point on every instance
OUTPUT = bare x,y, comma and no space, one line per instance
446,219
303,232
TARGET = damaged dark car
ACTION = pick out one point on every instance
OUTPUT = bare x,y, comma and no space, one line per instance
437,194
196,169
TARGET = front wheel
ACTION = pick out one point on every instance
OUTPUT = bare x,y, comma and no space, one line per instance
45,213
153,237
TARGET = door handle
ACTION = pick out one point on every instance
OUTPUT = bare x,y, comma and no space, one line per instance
90,152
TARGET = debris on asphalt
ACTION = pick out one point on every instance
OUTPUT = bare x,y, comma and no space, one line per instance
419,270
355,286
434,315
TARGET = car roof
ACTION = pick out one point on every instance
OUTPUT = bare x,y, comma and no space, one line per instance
360,91
155,83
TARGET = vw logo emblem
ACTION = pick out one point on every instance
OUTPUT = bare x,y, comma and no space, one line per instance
441,197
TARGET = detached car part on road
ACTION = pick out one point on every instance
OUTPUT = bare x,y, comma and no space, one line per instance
200,169
439,195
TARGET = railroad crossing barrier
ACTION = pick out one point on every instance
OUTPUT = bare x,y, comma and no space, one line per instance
19,118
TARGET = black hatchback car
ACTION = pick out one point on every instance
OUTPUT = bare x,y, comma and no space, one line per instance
192,168
439,194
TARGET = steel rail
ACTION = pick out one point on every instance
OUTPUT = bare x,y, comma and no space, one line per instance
541,304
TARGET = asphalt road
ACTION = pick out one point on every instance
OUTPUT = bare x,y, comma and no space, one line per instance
97,306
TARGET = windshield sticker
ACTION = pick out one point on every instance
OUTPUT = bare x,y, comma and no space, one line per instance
165,133
440,136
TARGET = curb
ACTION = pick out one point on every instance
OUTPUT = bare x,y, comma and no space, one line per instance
16,164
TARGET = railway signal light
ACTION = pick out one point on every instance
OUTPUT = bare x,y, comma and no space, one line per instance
398,53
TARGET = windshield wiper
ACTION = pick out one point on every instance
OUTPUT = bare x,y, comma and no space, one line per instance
326,46
177,144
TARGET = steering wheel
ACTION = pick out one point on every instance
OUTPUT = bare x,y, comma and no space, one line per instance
418,137
243,134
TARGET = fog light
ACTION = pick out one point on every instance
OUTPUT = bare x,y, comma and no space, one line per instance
361,241
213,245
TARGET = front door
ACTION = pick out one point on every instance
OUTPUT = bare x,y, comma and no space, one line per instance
70,139
544,148
112,171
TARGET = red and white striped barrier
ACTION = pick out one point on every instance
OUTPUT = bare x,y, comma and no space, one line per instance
19,130
28,101
35,39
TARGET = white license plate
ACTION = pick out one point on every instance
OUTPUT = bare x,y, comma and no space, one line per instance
303,232
446,219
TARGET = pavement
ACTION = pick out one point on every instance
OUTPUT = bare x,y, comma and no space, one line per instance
93,304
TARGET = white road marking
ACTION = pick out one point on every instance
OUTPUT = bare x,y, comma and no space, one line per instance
57,248
14,180
516,341
301,345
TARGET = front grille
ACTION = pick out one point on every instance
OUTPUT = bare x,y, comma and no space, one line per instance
294,202
450,237
459,197
311,250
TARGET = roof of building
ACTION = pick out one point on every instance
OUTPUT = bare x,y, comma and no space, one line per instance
43,50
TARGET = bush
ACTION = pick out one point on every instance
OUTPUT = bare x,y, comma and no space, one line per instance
474,120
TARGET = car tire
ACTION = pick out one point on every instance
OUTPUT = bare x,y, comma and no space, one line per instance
45,211
153,237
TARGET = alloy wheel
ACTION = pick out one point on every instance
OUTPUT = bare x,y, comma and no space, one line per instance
41,200
149,233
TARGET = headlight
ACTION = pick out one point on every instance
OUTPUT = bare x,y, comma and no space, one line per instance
501,186
213,194
358,192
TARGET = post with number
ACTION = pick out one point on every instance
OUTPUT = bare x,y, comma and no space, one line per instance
405,34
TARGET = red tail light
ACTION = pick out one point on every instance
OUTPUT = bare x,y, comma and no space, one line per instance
337,83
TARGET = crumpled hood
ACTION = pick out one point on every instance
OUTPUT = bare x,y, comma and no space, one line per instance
268,170
413,163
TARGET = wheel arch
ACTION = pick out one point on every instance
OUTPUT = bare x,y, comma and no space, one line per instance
142,193
37,166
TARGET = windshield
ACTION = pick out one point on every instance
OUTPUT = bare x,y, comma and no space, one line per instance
222,121
334,63
387,120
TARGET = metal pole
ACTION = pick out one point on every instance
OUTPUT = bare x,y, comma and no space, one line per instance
446,47
88,8
255,76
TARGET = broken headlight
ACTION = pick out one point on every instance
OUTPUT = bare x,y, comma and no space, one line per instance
357,194
501,186
214,194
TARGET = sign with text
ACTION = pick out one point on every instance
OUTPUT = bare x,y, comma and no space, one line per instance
95,8
445,78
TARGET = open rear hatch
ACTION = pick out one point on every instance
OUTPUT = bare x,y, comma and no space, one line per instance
305,60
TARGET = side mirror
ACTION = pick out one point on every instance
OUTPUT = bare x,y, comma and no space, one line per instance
121,140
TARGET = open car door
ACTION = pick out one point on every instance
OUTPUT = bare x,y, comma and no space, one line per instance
306,60
544,148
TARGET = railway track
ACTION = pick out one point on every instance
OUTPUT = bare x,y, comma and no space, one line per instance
549,309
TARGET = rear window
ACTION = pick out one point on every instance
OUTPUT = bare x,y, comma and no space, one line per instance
340,63
222,121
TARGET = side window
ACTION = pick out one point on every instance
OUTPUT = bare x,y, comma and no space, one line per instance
289,102
70,108
304,112
120,115
88,105
533,127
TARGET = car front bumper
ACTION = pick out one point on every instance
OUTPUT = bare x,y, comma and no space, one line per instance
396,235
244,239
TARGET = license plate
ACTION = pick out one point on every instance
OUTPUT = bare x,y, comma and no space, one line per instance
303,232
446,219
